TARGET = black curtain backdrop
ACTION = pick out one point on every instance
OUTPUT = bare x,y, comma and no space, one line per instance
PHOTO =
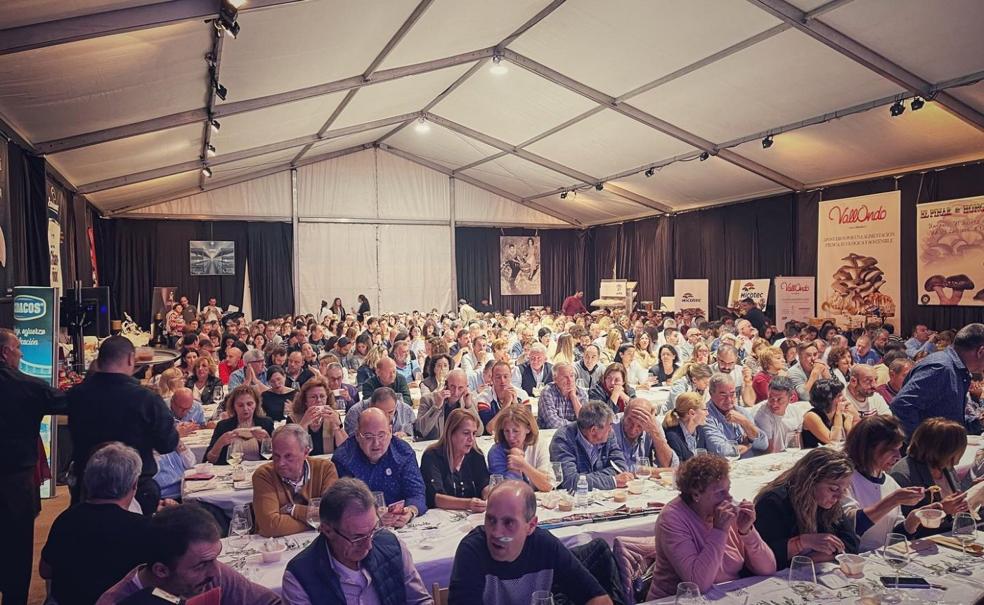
29,264
760,238
134,256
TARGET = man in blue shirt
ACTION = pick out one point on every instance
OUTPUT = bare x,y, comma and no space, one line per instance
588,447
252,373
639,435
920,337
188,413
729,426
938,385
863,353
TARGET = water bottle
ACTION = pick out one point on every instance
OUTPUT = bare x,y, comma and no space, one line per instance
581,493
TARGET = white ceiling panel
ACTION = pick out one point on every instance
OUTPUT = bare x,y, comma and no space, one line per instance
60,91
590,206
130,155
451,27
299,45
274,124
517,176
244,167
128,195
514,106
16,13
618,46
935,40
441,145
785,79
971,95
397,97
869,143
685,184
345,142
606,143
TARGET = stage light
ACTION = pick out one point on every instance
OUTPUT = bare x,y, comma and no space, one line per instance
599,186
704,156
563,195
206,171
498,67
650,172
228,12
422,126
897,109
214,125
210,151
220,91
767,142
917,104
236,4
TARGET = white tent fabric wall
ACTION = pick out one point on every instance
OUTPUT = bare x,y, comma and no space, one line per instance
268,197
336,260
343,187
415,269
478,206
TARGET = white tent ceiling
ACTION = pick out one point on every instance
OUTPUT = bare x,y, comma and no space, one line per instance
117,94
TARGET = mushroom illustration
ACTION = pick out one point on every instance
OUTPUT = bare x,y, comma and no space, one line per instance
936,283
980,295
958,284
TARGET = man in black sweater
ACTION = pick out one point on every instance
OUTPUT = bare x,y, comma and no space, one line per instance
24,400
110,405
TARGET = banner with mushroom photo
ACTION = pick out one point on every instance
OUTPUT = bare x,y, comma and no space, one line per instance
858,250
950,252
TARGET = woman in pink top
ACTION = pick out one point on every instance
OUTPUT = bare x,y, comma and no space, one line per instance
703,536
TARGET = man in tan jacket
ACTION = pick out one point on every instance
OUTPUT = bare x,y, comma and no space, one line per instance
283,488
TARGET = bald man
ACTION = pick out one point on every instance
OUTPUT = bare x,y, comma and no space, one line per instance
437,405
387,376
188,413
861,392
508,558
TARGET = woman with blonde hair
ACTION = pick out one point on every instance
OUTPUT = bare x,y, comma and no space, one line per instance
565,349
170,380
691,377
314,409
518,452
644,349
612,342
456,476
702,353
799,513
772,364
367,370
684,425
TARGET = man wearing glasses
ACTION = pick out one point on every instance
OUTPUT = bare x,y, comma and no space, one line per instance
353,560
253,373
386,465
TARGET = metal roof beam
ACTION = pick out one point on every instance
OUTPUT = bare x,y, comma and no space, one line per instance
238,107
638,199
861,54
85,27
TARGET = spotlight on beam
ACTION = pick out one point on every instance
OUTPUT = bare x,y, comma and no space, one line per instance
897,109
214,125
498,67
704,156
563,195
422,126
206,171
650,172
767,142
599,186
917,103
210,151
228,13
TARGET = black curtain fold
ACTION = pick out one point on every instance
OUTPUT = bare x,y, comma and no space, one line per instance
270,250
30,263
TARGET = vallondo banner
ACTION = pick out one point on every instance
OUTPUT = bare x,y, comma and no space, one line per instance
950,252
690,294
756,289
858,252
794,299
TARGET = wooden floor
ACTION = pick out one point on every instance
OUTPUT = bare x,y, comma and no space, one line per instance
50,509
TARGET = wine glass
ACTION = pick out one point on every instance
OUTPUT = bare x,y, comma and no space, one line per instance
793,441
643,468
802,576
380,499
965,531
235,452
558,474
896,554
495,479
687,593
732,452
239,527
314,513
699,451
266,449
542,597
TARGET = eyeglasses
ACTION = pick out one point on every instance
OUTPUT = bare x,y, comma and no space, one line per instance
363,539
374,436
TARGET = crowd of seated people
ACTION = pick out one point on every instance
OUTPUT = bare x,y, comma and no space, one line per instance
364,389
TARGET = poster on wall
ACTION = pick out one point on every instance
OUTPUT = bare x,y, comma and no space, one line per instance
690,294
212,257
756,289
36,326
56,204
794,299
950,252
6,278
519,265
858,251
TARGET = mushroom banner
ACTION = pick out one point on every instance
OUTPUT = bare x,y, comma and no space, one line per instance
950,252
858,257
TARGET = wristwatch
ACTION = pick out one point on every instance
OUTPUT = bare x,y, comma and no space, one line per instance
290,509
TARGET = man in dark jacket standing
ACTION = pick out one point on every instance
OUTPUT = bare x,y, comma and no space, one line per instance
110,405
24,400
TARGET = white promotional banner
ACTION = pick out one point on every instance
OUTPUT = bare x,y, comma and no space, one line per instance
690,294
756,289
950,252
794,299
858,250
